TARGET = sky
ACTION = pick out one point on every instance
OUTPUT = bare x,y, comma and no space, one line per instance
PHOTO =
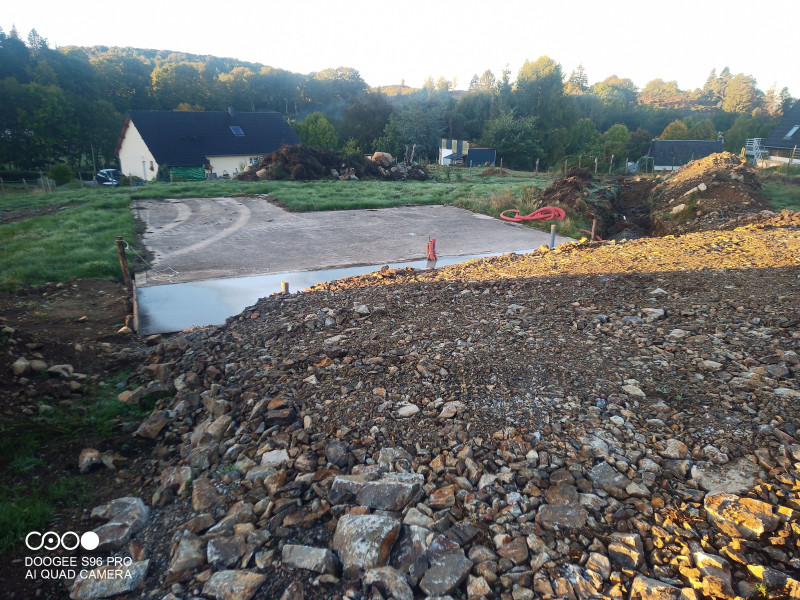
394,42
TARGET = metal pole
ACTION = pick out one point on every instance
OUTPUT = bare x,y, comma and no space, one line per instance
552,236
284,287
123,262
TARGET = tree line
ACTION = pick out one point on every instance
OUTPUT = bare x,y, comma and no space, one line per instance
67,105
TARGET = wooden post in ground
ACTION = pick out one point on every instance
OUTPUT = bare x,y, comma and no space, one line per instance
594,226
123,262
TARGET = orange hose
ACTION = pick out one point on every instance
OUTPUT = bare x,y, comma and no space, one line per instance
546,213
596,237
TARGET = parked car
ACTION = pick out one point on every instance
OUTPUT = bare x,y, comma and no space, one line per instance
109,177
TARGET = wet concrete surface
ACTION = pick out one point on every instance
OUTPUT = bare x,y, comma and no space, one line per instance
221,255
209,238
170,308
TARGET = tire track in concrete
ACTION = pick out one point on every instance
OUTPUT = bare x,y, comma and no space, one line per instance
184,212
241,221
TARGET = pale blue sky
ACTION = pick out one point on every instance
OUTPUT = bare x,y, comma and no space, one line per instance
387,42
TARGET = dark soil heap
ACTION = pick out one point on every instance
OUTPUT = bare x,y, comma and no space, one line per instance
303,163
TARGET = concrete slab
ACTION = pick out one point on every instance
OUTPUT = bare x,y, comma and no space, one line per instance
209,238
168,308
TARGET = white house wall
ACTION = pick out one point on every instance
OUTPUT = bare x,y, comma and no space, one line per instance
134,157
220,165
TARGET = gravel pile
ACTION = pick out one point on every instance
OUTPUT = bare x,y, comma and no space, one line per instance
605,420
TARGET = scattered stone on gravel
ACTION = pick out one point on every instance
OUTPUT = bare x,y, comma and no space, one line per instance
564,442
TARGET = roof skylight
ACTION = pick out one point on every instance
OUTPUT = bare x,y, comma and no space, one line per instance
236,130
792,131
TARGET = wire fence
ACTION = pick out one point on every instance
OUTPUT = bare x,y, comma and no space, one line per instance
25,186
602,165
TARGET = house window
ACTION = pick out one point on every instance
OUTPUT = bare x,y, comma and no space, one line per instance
792,131
236,130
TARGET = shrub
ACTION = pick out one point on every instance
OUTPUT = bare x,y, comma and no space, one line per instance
61,174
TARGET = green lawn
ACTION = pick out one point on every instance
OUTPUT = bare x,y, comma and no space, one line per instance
75,230
783,194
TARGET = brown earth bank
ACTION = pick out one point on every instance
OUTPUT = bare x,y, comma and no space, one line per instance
613,420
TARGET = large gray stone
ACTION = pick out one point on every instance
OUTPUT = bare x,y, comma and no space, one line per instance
188,554
108,581
364,541
605,477
445,574
319,560
233,585
736,477
225,551
390,582
561,516
394,491
626,550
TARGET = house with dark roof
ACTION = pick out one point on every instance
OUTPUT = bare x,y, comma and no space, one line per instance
196,144
783,144
669,155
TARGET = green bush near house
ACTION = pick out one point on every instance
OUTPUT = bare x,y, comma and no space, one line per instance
61,174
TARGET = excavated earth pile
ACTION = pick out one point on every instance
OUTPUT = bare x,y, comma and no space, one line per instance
711,193
600,421
306,164
706,194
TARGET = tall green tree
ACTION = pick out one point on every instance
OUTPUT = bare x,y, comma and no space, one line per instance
180,83
638,144
419,121
741,95
677,130
746,126
578,82
583,138
704,130
517,140
316,131
539,92
364,120
615,140
475,109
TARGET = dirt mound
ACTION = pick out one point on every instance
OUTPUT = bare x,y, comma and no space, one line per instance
706,194
304,163
494,171
573,195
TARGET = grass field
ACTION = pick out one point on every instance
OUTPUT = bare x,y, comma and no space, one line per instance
71,232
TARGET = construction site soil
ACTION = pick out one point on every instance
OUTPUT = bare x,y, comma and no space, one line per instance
603,420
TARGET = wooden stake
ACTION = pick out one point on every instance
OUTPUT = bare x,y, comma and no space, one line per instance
123,262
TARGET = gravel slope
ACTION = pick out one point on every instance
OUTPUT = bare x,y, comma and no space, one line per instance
603,420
